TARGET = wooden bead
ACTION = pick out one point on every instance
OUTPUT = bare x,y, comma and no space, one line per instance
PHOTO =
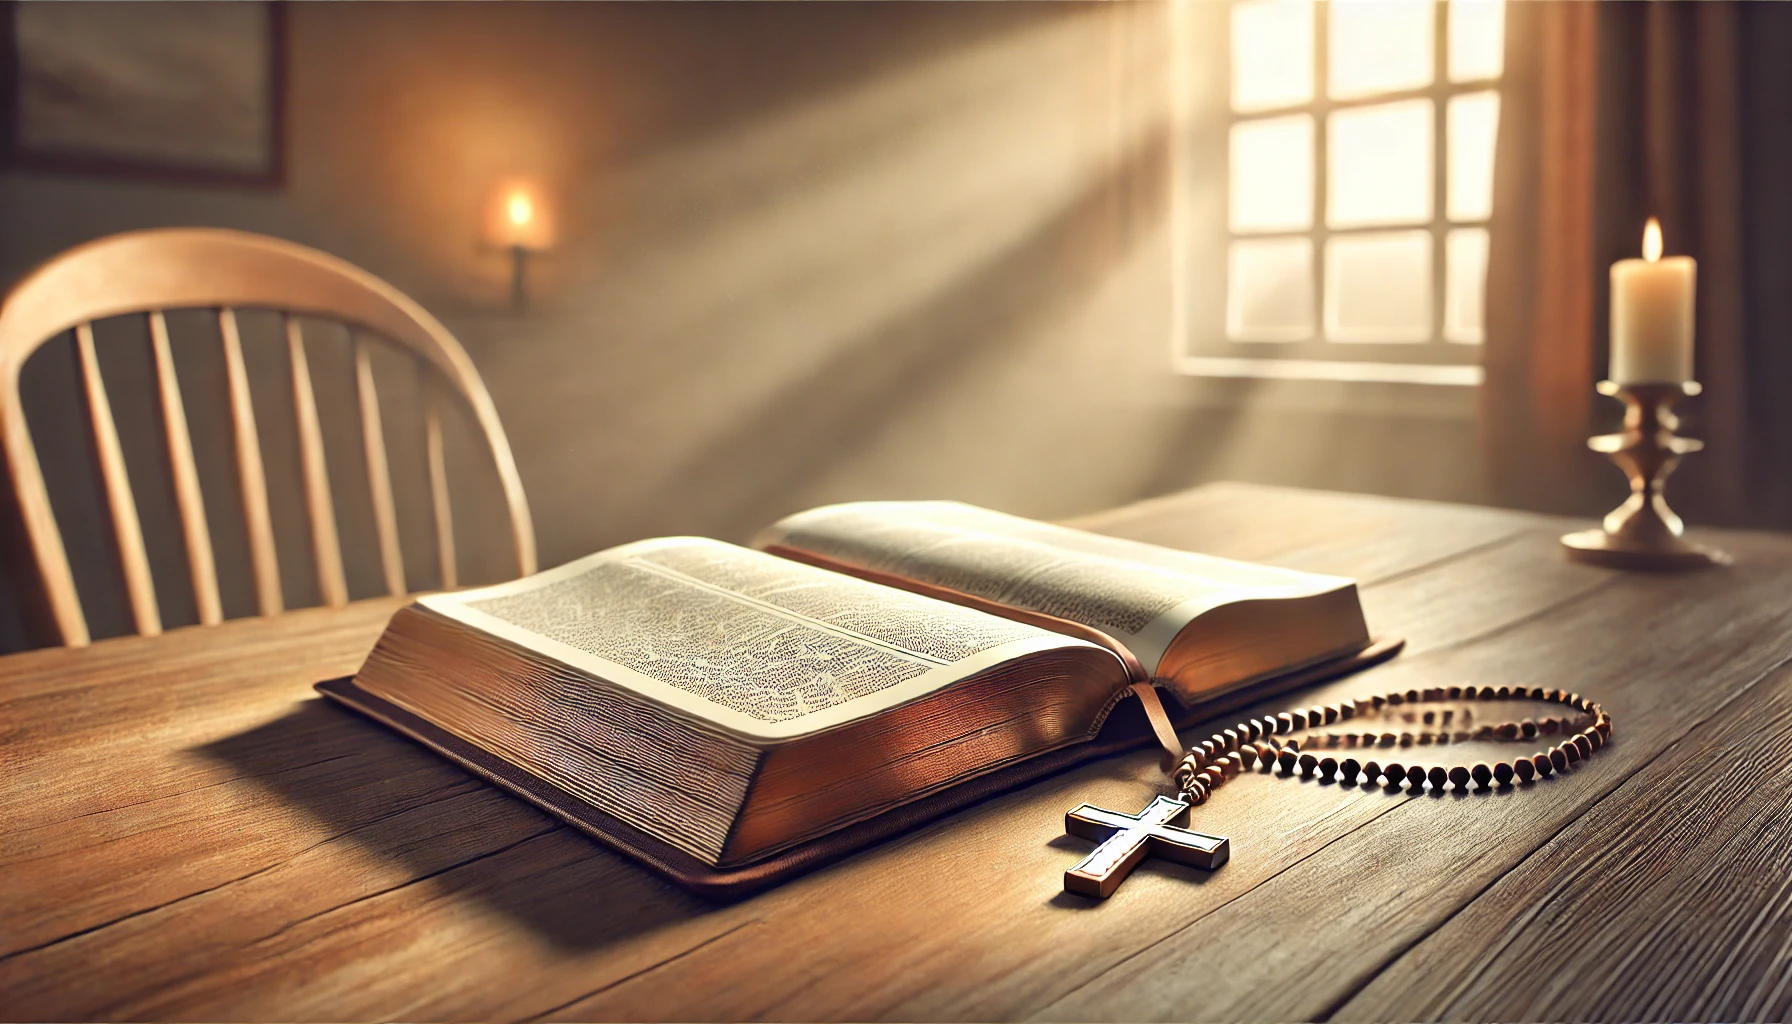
1328,767
1349,770
1471,693
1307,763
1543,763
1315,716
1584,744
1293,745
1388,739
1412,696
1438,776
1284,722
1231,764
1502,693
1406,739
1524,769
1591,735
1536,693
1395,699
1460,776
1332,713
1416,776
1247,757
1195,793
1482,773
1287,760
1426,739
1454,693
1379,701
1394,773
1213,776
1369,739
1506,731
1267,725
1299,718
1371,772
1347,710
1527,729
1250,730
1604,725
1502,773
1558,759
1548,726
1232,738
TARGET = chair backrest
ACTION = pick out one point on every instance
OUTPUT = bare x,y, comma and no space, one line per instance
149,272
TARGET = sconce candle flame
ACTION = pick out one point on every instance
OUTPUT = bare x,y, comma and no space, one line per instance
1652,240
521,209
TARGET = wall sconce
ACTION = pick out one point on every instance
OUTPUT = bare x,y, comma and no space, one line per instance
518,222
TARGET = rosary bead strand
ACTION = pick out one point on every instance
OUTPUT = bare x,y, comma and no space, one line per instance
1259,744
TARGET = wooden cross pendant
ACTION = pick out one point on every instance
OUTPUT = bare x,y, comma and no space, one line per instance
1126,838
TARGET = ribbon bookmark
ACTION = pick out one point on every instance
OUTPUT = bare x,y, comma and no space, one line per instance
1160,723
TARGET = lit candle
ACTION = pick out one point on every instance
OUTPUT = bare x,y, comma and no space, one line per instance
1652,306
519,210
516,218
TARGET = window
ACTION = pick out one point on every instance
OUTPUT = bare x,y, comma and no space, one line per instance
1358,140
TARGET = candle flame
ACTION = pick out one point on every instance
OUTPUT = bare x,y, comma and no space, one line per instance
1652,240
521,210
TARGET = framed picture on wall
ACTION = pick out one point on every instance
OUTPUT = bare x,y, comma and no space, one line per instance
172,91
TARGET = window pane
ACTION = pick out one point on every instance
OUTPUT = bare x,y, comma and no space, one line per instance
1271,178
1379,161
1378,287
1473,123
1380,46
1269,290
1477,39
1272,54
1465,285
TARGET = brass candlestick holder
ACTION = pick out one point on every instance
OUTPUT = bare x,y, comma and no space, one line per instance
1643,533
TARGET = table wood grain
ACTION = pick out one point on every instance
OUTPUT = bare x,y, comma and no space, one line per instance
190,833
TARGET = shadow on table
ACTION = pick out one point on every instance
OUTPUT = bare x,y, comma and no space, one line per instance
467,839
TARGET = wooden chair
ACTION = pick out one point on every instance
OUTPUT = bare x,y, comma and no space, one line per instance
148,272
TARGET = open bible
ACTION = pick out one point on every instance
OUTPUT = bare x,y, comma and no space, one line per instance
730,715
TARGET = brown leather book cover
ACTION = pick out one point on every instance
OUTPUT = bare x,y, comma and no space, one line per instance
1125,729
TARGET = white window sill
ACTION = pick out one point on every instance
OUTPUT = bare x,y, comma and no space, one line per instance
1331,370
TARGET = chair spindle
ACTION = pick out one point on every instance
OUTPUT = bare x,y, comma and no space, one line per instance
326,549
139,586
379,475
194,529
268,596
438,495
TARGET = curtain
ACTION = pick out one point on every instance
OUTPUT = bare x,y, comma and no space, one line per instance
1612,113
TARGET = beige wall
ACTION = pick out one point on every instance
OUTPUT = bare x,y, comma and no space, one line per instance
808,253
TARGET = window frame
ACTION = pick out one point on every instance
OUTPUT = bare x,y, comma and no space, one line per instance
1207,349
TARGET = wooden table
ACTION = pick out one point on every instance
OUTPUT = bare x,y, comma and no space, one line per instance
191,833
